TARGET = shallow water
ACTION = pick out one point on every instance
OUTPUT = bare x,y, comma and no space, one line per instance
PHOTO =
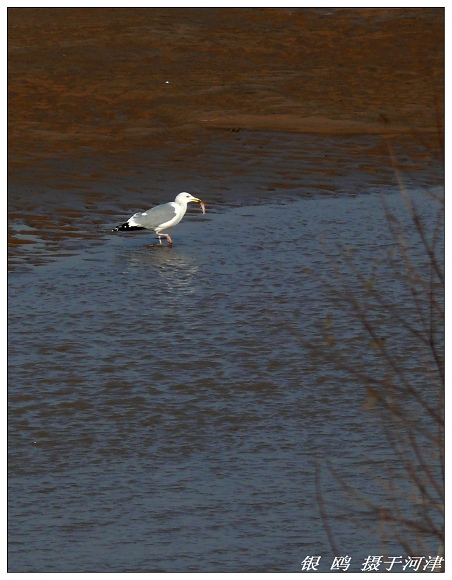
167,405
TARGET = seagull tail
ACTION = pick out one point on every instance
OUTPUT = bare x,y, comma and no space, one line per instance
126,228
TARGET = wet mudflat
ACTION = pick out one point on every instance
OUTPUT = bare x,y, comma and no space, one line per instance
167,406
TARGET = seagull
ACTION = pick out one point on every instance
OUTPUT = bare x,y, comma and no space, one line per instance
161,217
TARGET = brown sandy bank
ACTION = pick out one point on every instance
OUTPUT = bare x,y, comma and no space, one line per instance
113,78
111,109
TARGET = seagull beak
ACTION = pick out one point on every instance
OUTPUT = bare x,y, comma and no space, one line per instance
203,205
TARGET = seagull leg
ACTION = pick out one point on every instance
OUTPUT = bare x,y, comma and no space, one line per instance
169,240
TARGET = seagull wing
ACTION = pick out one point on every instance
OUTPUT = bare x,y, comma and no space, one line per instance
153,218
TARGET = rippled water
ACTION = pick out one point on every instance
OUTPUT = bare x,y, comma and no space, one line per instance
167,405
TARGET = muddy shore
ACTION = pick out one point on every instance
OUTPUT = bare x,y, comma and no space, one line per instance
115,78
111,109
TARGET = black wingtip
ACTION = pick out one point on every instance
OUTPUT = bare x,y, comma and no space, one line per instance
126,228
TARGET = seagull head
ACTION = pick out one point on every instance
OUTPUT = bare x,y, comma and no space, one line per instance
185,198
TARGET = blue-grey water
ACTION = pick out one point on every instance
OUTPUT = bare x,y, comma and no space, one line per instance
168,406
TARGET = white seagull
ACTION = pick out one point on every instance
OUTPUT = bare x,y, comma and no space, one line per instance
161,217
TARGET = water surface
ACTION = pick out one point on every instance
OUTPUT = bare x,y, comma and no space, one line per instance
166,407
